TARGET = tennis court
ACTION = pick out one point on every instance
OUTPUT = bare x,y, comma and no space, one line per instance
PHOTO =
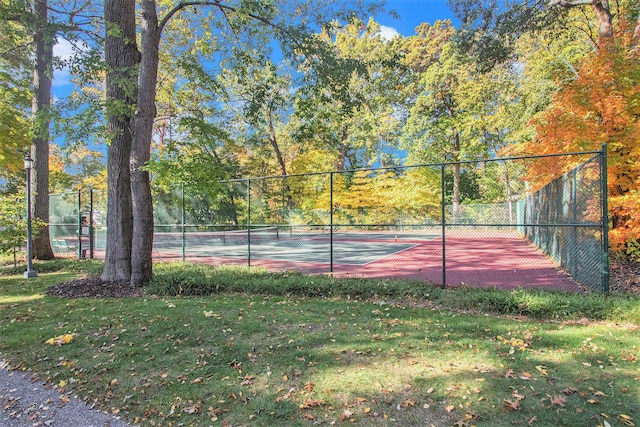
490,258
394,222
288,246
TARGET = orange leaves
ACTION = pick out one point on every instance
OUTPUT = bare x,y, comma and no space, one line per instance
311,403
601,106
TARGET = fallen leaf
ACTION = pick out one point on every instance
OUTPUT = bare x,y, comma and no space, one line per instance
626,420
543,370
310,403
557,400
525,376
517,395
345,414
511,405
60,340
408,403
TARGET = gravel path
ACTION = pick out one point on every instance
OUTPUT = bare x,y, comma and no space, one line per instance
28,403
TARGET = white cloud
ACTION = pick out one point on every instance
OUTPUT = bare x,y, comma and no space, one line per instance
63,50
388,33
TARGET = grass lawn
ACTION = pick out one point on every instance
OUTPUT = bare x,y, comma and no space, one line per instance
278,357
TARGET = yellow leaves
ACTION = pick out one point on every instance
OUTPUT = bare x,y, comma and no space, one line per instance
60,340
626,420
543,370
514,343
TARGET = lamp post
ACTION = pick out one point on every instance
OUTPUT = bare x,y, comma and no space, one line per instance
28,163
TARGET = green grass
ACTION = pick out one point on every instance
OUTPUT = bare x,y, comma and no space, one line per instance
214,346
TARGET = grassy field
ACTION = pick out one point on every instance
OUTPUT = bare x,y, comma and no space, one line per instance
236,347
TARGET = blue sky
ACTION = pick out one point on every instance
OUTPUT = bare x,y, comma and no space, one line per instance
413,13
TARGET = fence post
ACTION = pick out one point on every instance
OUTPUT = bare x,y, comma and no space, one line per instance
79,225
182,216
331,222
91,231
249,222
444,225
573,253
605,219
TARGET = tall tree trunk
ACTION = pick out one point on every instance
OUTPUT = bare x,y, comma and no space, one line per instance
273,139
43,70
456,174
122,58
141,261
342,150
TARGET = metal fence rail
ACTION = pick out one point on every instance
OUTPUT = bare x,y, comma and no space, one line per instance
538,221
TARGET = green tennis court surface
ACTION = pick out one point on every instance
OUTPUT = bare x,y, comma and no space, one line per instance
353,248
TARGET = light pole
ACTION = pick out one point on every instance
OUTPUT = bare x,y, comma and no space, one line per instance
28,163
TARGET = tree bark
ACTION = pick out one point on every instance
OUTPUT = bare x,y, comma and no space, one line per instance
122,58
273,139
605,24
142,246
41,106
342,150
456,174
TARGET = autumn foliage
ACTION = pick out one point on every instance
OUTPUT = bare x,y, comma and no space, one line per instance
602,105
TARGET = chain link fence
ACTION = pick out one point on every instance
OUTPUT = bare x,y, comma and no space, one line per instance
530,221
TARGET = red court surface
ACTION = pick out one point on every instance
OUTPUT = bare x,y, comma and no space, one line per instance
475,259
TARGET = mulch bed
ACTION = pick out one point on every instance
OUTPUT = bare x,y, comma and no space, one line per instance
94,287
624,278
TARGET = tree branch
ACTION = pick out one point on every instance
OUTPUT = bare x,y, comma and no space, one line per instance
570,3
223,7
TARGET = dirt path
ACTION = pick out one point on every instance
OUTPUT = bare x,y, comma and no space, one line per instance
29,403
